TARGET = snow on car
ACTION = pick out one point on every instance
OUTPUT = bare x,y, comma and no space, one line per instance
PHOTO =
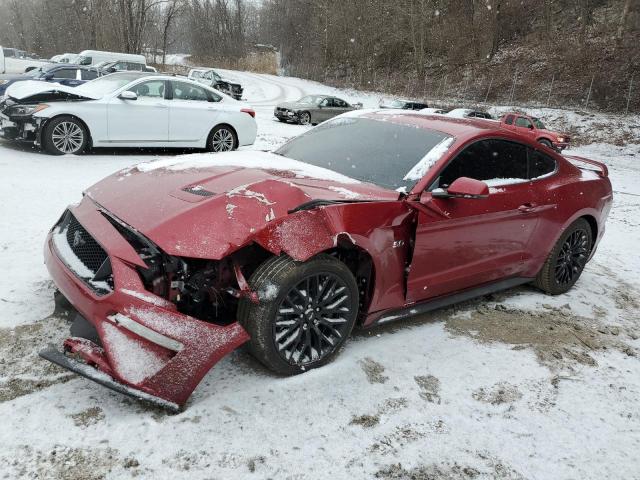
126,110
288,251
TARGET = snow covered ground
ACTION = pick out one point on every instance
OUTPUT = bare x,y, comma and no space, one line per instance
516,385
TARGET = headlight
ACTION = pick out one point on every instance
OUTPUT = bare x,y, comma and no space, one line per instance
25,110
4,82
560,139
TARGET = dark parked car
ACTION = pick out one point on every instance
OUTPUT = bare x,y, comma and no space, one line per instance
406,105
312,109
69,75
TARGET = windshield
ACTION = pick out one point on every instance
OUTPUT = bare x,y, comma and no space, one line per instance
312,99
387,154
539,125
110,83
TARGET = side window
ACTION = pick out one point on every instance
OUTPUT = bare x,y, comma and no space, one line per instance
88,74
540,164
187,91
339,103
509,120
65,73
150,89
523,122
487,160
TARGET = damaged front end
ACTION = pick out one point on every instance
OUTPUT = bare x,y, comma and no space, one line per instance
18,121
156,323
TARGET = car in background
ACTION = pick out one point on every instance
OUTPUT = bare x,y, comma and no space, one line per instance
361,221
432,111
68,75
65,58
405,105
533,128
211,78
93,57
129,109
312,109
124,66
469,113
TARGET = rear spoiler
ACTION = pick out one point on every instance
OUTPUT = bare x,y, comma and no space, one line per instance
598,167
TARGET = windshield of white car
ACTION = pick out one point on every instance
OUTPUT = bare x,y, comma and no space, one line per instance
107,84
311,99
538,123
379,152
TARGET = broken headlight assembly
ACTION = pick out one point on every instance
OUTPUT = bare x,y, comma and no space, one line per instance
25,110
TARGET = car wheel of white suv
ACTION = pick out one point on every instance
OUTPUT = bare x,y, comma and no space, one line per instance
64,136
222,139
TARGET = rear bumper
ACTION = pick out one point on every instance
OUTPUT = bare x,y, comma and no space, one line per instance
148,347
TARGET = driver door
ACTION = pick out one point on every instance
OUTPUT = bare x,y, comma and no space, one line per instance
145,120
464,242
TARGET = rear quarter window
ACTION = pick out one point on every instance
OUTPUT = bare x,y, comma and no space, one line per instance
540,164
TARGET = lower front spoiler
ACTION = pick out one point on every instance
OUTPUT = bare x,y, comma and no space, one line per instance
59,358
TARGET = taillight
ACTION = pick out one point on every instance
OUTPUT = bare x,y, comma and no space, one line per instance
250,111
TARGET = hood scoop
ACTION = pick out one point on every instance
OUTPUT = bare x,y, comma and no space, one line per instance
198,190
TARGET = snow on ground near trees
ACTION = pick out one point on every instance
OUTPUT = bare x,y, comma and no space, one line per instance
514,385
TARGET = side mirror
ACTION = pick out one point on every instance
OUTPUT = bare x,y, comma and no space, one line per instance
530,127
128,95
463,187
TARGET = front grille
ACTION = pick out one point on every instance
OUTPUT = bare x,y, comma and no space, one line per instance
82,254
84,246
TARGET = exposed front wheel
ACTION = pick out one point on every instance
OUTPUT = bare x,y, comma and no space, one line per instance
567,259
304,118
222,139
64,135
305,313
546,142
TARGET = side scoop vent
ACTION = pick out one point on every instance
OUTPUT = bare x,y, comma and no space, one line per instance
198,190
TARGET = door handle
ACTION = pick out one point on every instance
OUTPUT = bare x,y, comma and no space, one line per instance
527,207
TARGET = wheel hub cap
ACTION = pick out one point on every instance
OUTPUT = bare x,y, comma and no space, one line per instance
572,257
312,319
222,141
67,137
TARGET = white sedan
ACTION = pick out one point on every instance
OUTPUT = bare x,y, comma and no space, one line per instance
126,110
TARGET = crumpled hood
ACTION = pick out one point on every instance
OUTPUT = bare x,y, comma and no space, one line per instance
32,88
208,205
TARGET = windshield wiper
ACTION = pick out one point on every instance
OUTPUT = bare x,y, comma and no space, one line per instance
322,203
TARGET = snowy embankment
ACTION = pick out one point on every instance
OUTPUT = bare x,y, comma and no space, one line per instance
515,385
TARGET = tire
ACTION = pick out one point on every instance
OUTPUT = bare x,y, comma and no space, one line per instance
567,259
222,139
304,118
545,142
282,120
286,333
65,136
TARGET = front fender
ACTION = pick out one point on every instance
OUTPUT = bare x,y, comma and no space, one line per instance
381,229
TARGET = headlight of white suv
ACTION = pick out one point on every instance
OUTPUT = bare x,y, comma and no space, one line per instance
4,82
26,110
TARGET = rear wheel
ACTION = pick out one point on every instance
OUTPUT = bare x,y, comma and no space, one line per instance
222,139
65,135
305,313
567,259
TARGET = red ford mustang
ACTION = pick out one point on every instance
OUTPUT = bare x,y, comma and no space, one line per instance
362,220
